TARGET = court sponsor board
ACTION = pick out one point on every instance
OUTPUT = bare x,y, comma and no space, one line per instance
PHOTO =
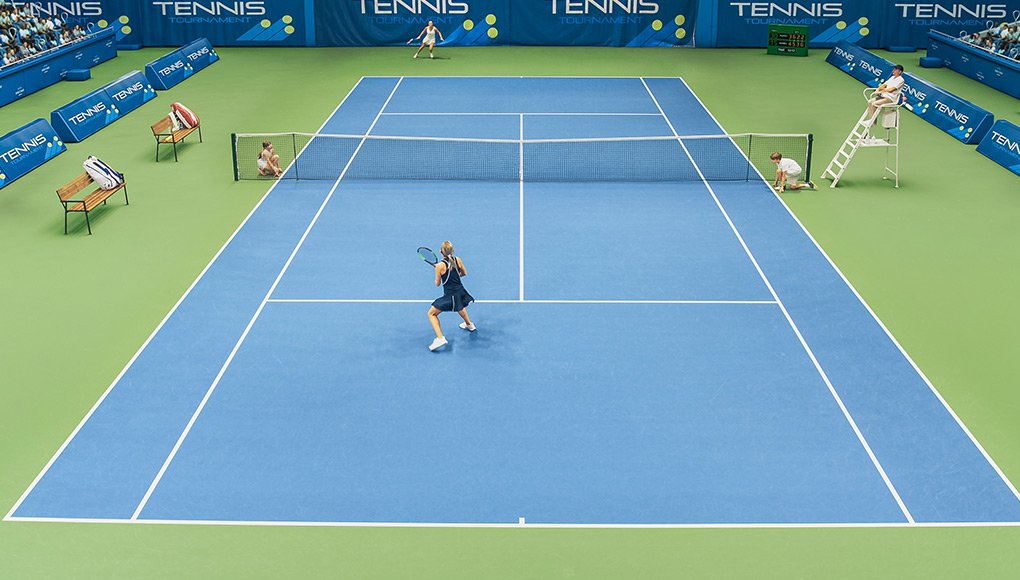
957,117
864,66
172,68
26,148
1001,144
86,115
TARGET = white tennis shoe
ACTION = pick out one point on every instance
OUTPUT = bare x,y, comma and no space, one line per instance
438,343
467,326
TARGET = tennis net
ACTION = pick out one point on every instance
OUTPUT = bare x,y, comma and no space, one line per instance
738,157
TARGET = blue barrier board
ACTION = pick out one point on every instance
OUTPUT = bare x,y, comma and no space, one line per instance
86,115
23,78
993,70
26,148
172,68
961,119
864,66
1002,145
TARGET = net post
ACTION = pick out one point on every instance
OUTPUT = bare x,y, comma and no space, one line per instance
233,151
293,150
807,162
750,164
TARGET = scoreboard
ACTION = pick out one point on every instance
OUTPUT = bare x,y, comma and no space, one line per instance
788,39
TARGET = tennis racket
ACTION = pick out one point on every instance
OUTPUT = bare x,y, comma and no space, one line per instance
409,41
431,259
428,255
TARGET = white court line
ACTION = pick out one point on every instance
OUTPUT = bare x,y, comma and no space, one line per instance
151,336
727,526
793,325
520,176
433,114
251,323
399,301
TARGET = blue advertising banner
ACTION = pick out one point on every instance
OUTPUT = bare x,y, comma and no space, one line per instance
488,22
868,23
86,115
745,24
908,23
233,23
993,70
26,148
199,54
1002,145
864,66
172,68
603,22
961,119
167,70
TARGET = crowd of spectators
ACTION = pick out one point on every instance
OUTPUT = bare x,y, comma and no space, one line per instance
24,35
1003,40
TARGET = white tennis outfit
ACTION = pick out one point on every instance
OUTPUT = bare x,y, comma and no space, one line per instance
792,169
430,36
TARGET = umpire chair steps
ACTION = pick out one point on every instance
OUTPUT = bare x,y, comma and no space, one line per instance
859,138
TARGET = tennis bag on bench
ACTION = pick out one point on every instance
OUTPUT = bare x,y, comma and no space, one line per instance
101,173
189,120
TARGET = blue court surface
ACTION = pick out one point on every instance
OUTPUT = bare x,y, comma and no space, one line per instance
647,353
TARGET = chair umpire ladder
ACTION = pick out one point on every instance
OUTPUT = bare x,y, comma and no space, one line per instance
889,116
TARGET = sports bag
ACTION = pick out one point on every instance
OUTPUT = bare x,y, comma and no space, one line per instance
189,120
101,173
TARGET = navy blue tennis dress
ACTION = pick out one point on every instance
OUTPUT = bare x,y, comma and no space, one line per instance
455,297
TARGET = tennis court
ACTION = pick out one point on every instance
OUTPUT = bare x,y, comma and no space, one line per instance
662,353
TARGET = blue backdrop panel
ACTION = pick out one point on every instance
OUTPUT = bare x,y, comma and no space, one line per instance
745,24
995,71
908,23
26,148
260,22
86,115
870,23
375,22
603,22
1002,145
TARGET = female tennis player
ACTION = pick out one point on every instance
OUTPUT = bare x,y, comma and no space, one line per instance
455,298
269,161
430,33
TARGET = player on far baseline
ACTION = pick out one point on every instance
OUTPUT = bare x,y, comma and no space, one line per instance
430,32
787,173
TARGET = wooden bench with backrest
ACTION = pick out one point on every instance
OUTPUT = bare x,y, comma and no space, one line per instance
68,193
164,132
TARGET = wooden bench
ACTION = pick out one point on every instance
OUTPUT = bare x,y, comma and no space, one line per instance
90,201
164,133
